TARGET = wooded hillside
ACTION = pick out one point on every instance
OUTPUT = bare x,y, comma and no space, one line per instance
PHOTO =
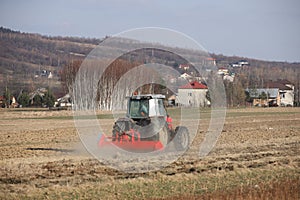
30,61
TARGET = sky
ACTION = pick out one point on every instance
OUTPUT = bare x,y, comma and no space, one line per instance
261,29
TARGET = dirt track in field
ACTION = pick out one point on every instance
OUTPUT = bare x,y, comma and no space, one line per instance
40,151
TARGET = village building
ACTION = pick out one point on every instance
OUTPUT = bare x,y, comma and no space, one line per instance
172,100
11,103
265,97
223,71
193,94
185,76
209,62
241,63
228,77
286,91
64,102
278,93
184,67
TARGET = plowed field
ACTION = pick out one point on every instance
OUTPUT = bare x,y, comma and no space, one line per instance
257,156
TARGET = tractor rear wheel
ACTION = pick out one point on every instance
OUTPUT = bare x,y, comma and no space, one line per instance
182,138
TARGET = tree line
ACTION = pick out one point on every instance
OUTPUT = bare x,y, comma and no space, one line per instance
109,93
25,99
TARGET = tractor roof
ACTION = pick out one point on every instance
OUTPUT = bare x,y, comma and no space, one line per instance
148,96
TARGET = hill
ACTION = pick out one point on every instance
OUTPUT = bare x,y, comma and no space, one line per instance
26,60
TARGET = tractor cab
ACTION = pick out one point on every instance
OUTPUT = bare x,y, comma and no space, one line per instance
146,106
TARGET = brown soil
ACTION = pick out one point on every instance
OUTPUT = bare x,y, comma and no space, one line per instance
41,152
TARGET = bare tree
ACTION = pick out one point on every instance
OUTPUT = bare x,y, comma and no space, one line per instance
68,75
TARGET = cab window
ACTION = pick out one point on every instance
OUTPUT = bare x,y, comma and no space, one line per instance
138,108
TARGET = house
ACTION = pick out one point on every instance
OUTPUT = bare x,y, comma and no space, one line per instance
222,71
172,100
193,94
209,61
43,73
274,93
240,63
286,91
243,62
11,104
184,66
50,75
64,102
228,77
264,96
235,65
185,76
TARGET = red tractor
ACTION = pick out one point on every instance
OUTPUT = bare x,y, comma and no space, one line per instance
146,127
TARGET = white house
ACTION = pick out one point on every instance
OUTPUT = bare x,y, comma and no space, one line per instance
65,101
209,61
286,91
235,65
50,75
243,62
185,76
229,78
184,66
193,94
223,71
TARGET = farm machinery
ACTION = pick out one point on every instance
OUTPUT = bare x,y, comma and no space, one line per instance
147,127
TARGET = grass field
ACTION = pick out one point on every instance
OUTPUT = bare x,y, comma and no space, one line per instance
257,156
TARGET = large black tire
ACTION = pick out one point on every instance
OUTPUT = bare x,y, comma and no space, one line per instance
182,138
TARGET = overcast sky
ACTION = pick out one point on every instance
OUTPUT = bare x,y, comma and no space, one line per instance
262,29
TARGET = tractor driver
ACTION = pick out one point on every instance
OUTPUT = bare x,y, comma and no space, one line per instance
144,109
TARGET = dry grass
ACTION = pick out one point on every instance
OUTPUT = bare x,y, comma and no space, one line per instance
255,184
256,157
277,190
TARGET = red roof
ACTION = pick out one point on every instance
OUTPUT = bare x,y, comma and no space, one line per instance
193,85
283,81
278,85
222,68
